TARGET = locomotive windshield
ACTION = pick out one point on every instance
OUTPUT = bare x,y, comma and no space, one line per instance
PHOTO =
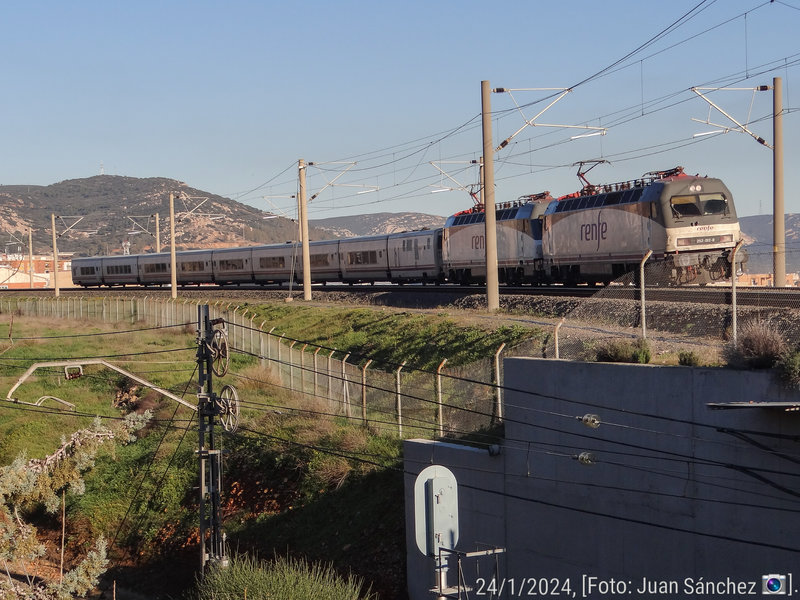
696,205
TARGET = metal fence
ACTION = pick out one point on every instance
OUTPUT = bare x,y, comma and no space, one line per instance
392,399
409,401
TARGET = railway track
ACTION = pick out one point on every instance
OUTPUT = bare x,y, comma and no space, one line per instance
766,297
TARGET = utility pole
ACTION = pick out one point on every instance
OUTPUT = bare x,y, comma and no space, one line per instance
55,255
172,269
212,538
158,234
778,224
303,214
492,283
30,254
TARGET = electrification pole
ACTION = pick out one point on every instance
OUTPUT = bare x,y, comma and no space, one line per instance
55,255
303,215
30,254
158,234
172,261
492,284
778,225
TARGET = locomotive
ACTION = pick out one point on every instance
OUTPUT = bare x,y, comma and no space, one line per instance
593,236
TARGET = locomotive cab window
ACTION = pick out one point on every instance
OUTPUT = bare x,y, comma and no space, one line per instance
714,204
685,206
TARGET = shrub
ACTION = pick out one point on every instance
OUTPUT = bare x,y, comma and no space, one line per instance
788,368
283,578
688,358
759,346
624,351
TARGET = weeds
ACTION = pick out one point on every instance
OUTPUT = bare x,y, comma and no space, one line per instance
281,578
688,358
624,351
759,346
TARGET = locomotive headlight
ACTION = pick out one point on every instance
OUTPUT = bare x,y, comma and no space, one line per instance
684,241
726,238
696,188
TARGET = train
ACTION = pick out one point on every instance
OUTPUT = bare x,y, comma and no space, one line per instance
593,236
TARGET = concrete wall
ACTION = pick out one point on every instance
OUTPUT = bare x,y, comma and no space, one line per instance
677,491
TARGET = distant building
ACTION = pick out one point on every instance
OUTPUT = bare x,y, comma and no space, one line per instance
15,272
765,279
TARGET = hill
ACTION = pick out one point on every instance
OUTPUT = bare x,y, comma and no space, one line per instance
757,231
111,207
377,223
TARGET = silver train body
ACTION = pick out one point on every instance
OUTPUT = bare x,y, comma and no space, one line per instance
597,235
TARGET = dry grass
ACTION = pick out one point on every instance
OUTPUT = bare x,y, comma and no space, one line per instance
759,345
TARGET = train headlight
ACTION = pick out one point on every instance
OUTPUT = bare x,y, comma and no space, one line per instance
726,238
684,241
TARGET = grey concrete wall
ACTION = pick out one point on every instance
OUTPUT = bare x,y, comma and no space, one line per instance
678,493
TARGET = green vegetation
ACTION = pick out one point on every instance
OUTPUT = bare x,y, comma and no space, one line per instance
759,345
292,464
624,351
688,358
390,337
281,579
787,368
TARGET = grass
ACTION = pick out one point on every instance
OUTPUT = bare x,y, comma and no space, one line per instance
286,471
390,337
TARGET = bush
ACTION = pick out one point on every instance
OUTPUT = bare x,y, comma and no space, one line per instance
688,358
788,368
624,351
759,346
282,579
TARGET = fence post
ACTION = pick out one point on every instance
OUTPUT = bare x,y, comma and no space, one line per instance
641,295
251,332
555,335
733,288
330,394
345,389
498,391
364,391
280,362
269,345
291,365
399,401
261,343
439,397
303,368
315,369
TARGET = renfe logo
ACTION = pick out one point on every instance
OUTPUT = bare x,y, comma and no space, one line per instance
594,231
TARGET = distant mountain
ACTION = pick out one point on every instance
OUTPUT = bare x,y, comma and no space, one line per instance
757,232
118,209
377,223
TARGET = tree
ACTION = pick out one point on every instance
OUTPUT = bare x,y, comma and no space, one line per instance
26,484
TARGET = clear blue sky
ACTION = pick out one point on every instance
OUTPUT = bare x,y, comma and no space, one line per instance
227,96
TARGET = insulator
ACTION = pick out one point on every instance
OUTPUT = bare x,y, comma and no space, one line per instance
590,420
586,458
